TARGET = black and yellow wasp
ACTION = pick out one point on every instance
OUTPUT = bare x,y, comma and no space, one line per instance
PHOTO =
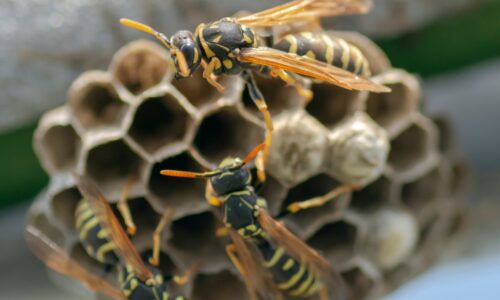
105,240
232,46
273,261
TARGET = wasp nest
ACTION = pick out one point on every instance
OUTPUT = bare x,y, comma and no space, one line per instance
135,119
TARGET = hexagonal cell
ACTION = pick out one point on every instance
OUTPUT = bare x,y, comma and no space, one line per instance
335,241
373,196
421,193
409,148
277,95
193,239
110,165
223,286
305,222
181,194
226,133
198,91
95,103
60,145
331,103
361,283
64,205
159,121
140,65
41,222
446,137
391,110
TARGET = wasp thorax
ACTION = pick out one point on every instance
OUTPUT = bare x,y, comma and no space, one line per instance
185,53
230,179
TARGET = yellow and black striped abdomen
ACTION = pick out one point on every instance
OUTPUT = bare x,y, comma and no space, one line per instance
290,275
322,47
93,238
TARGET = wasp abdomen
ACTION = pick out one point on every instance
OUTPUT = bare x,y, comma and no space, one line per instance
93,238
322,47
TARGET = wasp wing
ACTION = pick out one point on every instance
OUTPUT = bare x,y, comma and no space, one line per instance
309,67
300,250
55,258
305,10
108,221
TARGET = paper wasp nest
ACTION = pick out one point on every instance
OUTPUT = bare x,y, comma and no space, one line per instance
134,118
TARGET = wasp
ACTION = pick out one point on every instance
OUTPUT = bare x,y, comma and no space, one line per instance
231,46
262,247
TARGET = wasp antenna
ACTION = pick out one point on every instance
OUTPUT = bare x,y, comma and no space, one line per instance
254,152
148,29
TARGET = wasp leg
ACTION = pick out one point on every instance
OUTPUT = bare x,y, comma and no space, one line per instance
123,206
323,293
208,73
222,231
321,200
165,219
210,196
259,101
289,79
231,252
182,280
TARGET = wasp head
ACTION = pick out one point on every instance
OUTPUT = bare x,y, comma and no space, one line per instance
233,176
185,53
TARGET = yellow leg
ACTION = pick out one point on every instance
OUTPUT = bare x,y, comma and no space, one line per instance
182,280
231,252
165,219
323,293
321,200
208,73
283,75
210,196
123,206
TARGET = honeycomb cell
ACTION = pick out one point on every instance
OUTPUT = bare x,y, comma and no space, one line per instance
392,110
193,239
335,241
372,196
140,65
225,133
224,286
424,191
298,148
391,238
183,195
110,165
446,137
361,283
94,101
64,205
277,95
159,121
331,103
59,145
199,92
409,149
305,222
41,222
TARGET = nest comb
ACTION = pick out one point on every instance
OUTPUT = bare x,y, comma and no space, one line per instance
134,118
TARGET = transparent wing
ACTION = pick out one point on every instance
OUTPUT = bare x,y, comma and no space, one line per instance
309,67
55,258
300,250
108,221
305,10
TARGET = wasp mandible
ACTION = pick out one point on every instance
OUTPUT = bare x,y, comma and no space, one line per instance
231,46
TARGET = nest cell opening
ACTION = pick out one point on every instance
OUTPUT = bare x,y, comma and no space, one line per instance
64,205
331,103
98,105
360,283
110,165
42,223
61,144
391,109
141,69
417,195
373,196
158,122
409,148
226,133
177,192
222,286
197,90
277,95
335,241
194,234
